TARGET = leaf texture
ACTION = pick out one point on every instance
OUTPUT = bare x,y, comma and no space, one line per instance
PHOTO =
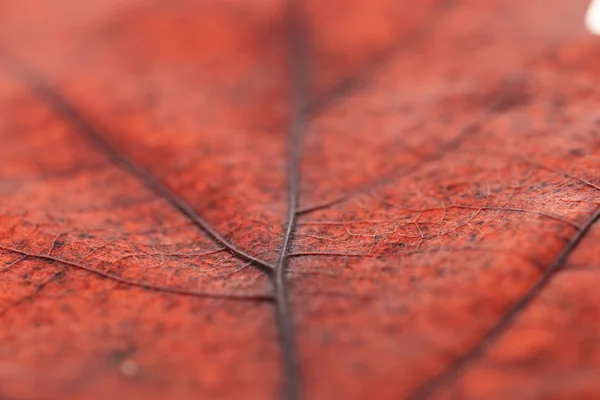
299,199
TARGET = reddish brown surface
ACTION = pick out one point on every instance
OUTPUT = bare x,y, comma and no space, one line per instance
444,244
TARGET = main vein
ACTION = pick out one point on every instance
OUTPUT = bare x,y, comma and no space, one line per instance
299,120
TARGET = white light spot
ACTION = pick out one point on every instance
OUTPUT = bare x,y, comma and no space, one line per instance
130,368
592,18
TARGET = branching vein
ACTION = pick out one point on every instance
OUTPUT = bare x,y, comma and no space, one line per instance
131,282
298,125
431,386
99,140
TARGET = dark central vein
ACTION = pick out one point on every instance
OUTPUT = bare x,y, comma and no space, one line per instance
446,376
299,120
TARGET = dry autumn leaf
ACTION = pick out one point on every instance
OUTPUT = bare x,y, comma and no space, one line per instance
226,199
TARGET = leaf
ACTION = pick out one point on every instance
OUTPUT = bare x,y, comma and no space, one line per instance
223,199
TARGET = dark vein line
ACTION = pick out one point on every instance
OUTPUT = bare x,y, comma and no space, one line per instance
98,140
147,286
446,376
323,206
330,254
298,57
451,145
352,83
31,296
360,79
493,111
355,82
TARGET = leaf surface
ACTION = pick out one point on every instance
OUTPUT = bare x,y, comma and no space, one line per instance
341,199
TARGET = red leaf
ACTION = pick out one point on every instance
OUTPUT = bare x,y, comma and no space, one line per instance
342,199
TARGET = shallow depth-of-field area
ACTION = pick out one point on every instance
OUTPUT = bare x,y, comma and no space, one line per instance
299,199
